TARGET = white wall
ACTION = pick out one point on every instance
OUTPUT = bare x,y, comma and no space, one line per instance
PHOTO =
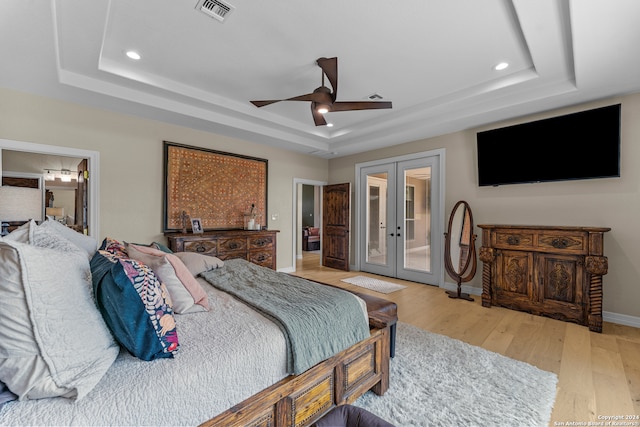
131,162
612,202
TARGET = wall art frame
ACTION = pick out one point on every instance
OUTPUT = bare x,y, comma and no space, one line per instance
214,186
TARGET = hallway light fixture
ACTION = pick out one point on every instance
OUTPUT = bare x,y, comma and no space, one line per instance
64,175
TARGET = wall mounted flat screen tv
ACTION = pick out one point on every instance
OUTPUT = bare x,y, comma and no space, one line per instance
581,145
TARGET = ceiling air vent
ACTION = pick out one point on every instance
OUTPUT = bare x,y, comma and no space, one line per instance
215,9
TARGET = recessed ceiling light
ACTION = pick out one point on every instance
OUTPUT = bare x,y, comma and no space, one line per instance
133,54
501,66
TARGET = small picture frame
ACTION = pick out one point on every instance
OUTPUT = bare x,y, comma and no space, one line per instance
196,226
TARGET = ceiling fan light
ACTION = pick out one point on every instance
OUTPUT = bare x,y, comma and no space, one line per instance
322,109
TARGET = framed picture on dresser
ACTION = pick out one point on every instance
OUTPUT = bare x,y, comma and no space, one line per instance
196,226
216,187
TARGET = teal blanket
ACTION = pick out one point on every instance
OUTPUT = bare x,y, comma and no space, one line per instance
318,321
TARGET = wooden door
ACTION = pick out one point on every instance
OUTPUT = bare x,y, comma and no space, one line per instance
81,197
561,287
513,280
335,226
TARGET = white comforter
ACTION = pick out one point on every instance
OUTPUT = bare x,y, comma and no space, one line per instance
215,369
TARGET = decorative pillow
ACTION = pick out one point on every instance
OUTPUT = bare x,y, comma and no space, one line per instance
86,243
199,263
161,247
154,245
135,305
181,299
182,272
113,246
53,340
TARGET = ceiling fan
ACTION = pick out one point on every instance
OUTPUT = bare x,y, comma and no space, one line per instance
323,99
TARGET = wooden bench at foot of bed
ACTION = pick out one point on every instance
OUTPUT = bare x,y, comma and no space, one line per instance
301,400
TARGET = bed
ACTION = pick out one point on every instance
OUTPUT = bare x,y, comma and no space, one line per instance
231,366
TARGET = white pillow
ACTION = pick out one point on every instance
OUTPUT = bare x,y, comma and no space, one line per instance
86,243
53,340
20,234
49,238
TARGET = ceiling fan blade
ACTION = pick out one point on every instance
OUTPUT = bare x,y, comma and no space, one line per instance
317,117
308,97
330,68
263,103
360,105
318,97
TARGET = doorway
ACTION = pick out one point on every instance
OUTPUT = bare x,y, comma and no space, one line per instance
302,215
33,155
400,210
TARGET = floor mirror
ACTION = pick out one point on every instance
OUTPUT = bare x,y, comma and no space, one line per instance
460,249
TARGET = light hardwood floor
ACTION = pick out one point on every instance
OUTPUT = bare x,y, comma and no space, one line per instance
599,374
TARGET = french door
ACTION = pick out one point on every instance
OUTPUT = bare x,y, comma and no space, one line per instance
399,223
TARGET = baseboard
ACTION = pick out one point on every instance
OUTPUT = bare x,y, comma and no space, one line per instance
287,270
621,319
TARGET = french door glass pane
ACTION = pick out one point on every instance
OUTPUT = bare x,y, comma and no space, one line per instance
376,218
417,219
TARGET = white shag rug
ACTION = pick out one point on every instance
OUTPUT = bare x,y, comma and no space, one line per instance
374,284
439,381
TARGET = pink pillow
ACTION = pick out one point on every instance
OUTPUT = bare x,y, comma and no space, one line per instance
182,272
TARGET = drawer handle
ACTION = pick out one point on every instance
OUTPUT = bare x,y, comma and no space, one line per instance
200,248
560,243
261,242
233,245
513,240
261,258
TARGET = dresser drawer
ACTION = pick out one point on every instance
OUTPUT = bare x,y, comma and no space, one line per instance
232,244
261,242
232,255
514,239
263,258
206,247
559,242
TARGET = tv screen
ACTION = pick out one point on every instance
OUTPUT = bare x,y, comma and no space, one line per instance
581,145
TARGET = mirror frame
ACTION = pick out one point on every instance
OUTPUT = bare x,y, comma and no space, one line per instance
470,264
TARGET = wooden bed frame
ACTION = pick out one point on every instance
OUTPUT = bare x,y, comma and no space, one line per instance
301,400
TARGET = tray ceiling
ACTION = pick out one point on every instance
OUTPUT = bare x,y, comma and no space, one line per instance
433,59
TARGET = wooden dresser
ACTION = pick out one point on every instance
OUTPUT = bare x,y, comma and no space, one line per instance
545,270
257,246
